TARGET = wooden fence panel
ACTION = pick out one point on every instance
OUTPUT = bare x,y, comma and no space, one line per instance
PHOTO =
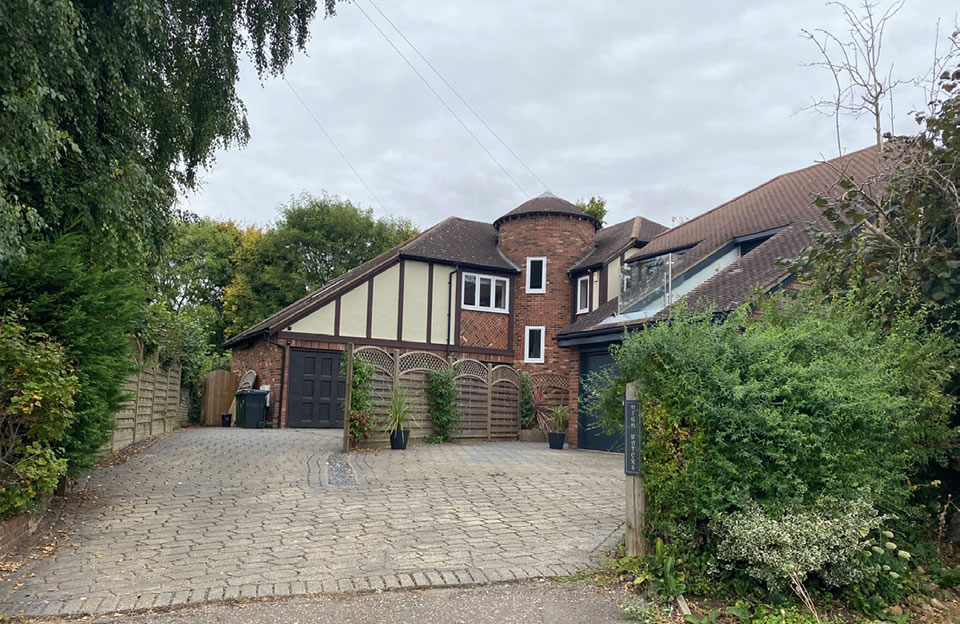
154,407
488,398
505,410
472,403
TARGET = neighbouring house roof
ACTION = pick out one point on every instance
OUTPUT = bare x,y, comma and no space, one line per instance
784,204
546,204
615,239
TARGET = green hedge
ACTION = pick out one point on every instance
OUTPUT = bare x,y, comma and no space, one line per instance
801,402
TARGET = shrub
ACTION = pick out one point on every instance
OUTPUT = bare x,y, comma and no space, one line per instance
442,403
93,313
361,424
823,539
361,388
36,408
528,416
361,401
806,400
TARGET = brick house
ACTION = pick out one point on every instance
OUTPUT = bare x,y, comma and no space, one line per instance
499,293
543,288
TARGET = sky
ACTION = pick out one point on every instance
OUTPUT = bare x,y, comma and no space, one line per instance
665,109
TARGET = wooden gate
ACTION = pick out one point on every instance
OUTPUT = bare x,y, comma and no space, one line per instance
218,389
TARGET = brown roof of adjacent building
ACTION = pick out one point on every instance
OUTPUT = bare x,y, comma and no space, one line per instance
615,239
546,204
785,204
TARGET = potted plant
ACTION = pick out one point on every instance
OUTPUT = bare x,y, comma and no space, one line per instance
399,419
558,432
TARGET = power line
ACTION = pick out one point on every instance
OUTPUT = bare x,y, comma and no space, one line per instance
459,97
335,146
442,101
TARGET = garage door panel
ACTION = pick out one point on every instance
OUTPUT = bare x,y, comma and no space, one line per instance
313,377
590,435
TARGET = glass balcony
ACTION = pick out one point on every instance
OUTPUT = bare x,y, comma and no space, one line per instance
647,286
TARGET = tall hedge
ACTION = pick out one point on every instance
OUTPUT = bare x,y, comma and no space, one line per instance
93,313
802,400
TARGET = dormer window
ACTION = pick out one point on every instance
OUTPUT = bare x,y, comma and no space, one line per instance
583,294
536,275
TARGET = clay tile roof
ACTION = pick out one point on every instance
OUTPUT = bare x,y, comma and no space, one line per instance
614,239
459,241
784,203
546,204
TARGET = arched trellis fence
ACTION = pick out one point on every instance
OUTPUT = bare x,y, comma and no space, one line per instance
488,396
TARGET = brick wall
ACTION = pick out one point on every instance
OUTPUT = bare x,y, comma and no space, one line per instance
487,330
573,375
264,358
564,240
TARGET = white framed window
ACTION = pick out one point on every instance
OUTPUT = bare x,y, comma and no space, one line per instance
583,294
485,292
533,344
536,275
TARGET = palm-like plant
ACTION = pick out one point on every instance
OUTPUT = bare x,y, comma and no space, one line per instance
400,414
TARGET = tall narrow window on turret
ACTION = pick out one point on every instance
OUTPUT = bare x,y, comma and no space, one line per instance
536,275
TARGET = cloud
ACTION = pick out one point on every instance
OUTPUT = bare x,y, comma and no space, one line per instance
667,110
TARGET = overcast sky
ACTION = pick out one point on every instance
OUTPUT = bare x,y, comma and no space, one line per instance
664,109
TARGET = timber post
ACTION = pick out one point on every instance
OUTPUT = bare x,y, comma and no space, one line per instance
348,400
635,537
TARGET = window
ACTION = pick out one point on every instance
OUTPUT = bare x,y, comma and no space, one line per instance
536,275
533,349
583,294
485,292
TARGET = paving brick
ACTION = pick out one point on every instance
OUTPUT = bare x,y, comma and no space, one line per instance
208,528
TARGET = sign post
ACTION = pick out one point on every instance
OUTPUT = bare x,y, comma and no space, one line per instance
636,523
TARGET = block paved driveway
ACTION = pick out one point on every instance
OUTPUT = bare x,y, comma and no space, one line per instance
214,514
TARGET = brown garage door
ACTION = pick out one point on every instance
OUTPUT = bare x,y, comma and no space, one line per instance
317,390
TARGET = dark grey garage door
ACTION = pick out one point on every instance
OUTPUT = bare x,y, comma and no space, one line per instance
317,390
590,435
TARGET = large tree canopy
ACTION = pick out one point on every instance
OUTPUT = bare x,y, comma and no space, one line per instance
107,108
315,240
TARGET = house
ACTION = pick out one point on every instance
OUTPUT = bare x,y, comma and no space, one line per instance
719,258
498,293
543,288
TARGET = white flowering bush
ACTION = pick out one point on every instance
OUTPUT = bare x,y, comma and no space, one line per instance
827,539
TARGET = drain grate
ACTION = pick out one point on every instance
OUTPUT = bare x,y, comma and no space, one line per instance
339,472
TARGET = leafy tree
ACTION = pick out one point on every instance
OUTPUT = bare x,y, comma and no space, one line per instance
315,240
596,207
107,109
94,313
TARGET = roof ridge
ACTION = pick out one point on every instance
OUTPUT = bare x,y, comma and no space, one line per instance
760,186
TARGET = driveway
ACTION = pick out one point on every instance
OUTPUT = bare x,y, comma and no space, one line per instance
215,514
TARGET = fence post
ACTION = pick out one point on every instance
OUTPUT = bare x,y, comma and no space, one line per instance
489,399
635,537
348,401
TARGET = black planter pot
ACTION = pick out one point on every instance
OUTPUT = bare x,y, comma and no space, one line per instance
225,419
557,439
398,439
